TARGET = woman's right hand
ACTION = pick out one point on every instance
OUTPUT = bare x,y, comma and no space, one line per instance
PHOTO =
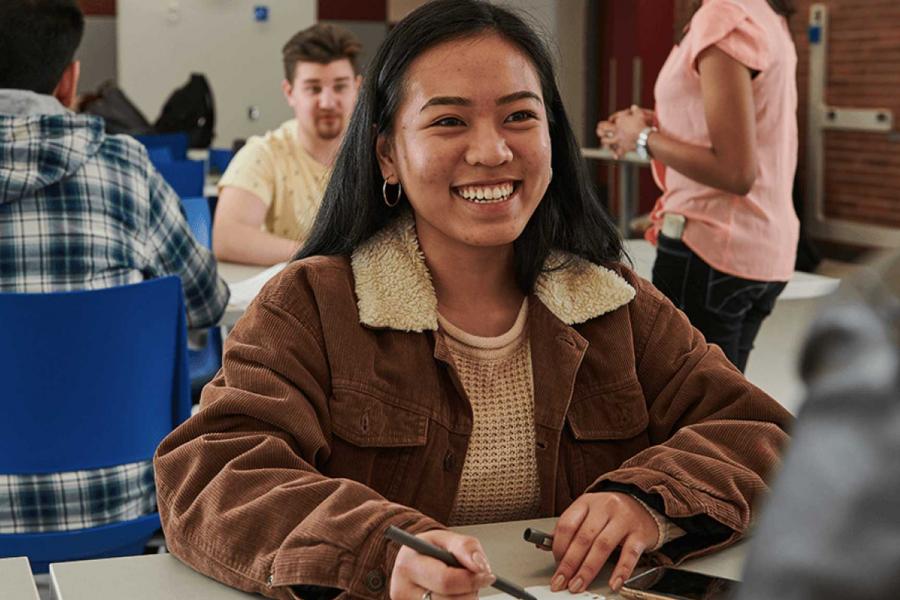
619,133
606,131
415,574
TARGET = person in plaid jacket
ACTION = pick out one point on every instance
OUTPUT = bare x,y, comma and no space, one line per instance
80,210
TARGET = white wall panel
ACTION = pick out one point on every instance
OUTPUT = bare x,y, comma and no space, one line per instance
161,42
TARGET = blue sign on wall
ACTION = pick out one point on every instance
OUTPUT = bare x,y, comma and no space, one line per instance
815,34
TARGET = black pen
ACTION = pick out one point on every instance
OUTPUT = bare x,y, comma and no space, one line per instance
422,547
539,538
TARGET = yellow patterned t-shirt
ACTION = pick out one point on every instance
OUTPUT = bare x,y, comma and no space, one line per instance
276,168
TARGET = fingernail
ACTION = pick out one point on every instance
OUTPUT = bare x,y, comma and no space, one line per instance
558,583
486,580
576,584
616,584
479,559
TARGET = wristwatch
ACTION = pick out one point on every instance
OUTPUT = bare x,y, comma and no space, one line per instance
642,150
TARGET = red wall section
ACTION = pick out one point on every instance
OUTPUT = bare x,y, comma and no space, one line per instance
633,28
98,7
352,10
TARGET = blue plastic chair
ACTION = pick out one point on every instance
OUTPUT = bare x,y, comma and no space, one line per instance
90,379
204,362
177,143
187,177
160,155
219,159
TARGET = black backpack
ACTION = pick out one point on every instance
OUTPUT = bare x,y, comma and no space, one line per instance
120,113
190,109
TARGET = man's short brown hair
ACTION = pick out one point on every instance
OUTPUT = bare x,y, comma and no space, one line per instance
322,43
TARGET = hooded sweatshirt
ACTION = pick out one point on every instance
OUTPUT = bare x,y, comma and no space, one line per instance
83,210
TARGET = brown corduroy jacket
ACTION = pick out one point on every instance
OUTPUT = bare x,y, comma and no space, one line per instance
338,412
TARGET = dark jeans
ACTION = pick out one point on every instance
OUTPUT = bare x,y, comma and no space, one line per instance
726,309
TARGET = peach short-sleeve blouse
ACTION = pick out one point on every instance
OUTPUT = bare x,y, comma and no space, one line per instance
752,236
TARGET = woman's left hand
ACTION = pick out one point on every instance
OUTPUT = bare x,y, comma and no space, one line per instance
588,532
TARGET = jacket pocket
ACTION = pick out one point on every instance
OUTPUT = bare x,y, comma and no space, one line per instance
368,421
616,414
606,428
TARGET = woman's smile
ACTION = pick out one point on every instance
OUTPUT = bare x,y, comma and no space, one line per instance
487,193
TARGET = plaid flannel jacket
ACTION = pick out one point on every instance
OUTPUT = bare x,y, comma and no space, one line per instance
83,210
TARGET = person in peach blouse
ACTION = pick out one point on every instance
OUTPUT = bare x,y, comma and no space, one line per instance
723,139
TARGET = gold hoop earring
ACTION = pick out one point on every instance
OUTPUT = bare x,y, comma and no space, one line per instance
385,194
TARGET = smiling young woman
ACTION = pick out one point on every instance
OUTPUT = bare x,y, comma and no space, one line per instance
458,343
471,149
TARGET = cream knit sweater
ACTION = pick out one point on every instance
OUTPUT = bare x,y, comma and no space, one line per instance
499,477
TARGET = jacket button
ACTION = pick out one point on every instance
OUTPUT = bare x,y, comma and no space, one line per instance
375,580
449,461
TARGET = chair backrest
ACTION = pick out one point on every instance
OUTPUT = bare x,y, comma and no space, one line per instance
187,177
196,210
177,143
219,158
205,361
160,155
91,378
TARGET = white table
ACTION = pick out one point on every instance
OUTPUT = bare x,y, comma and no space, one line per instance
16,582
801,286
164,577
149,577
234,273
519,561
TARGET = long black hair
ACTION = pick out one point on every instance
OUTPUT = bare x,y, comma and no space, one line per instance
570,217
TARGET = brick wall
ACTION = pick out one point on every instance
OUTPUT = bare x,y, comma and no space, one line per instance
862,170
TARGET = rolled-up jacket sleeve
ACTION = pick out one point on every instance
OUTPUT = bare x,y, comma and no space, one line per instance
239,492
716,438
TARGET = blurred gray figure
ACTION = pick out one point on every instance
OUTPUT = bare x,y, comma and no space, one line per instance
831,529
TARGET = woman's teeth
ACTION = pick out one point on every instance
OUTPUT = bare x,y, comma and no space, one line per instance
488,194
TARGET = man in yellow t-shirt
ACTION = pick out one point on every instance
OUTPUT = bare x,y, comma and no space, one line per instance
271,191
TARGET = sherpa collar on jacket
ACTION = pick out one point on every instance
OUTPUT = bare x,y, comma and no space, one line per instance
394,289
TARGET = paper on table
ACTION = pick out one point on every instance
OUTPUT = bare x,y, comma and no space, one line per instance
542,592
243,292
